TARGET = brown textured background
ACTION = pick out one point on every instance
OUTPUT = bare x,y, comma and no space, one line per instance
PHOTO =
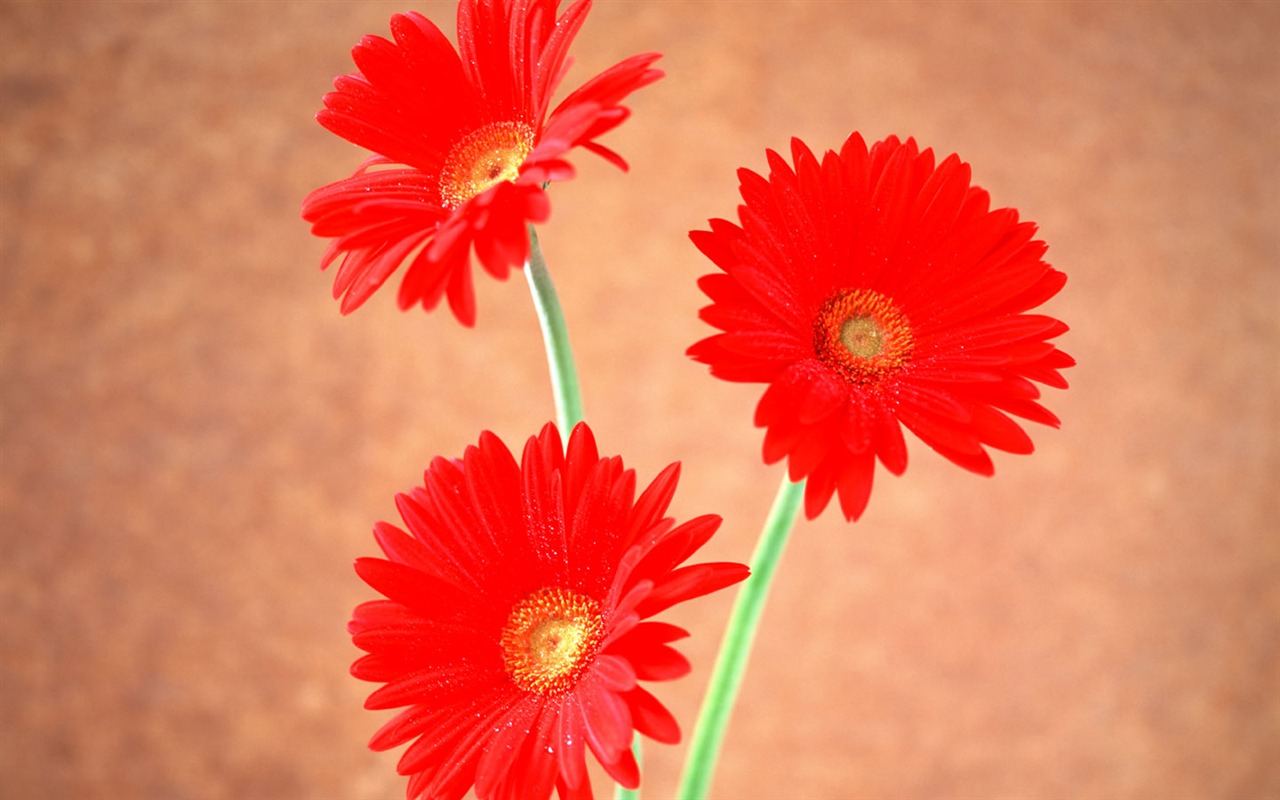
194,444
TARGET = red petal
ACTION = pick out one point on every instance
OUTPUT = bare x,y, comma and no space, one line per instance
401,548
854,484
410,587
571,744
607,721
653,502
624,770
504,741
675,546
652,718
614,674
818,489
535,768
1000,432
689,582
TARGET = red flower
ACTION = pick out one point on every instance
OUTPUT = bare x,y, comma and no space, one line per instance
464,146
874,288
515,627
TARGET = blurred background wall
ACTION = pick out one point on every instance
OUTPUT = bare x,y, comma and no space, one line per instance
194,444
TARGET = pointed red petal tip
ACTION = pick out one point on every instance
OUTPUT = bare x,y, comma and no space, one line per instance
941,341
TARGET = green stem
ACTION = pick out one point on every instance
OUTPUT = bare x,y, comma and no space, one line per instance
564,375
726,677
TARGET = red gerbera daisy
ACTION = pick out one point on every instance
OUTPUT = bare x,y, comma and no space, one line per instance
464,146
875,288
515,627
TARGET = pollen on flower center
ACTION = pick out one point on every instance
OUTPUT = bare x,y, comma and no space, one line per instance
549,638
862,335
484,158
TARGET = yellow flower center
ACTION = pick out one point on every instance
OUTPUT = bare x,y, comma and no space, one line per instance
484,158
862,335
550,637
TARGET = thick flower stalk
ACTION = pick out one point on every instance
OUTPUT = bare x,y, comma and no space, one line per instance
464,143
871,290
517,625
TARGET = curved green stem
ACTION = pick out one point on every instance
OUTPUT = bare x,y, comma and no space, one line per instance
564,375
726,677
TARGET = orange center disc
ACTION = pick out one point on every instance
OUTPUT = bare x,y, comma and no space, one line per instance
550,637
484,158
862,335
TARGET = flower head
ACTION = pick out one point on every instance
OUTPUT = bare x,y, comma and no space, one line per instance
517,624
874,289
464,143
